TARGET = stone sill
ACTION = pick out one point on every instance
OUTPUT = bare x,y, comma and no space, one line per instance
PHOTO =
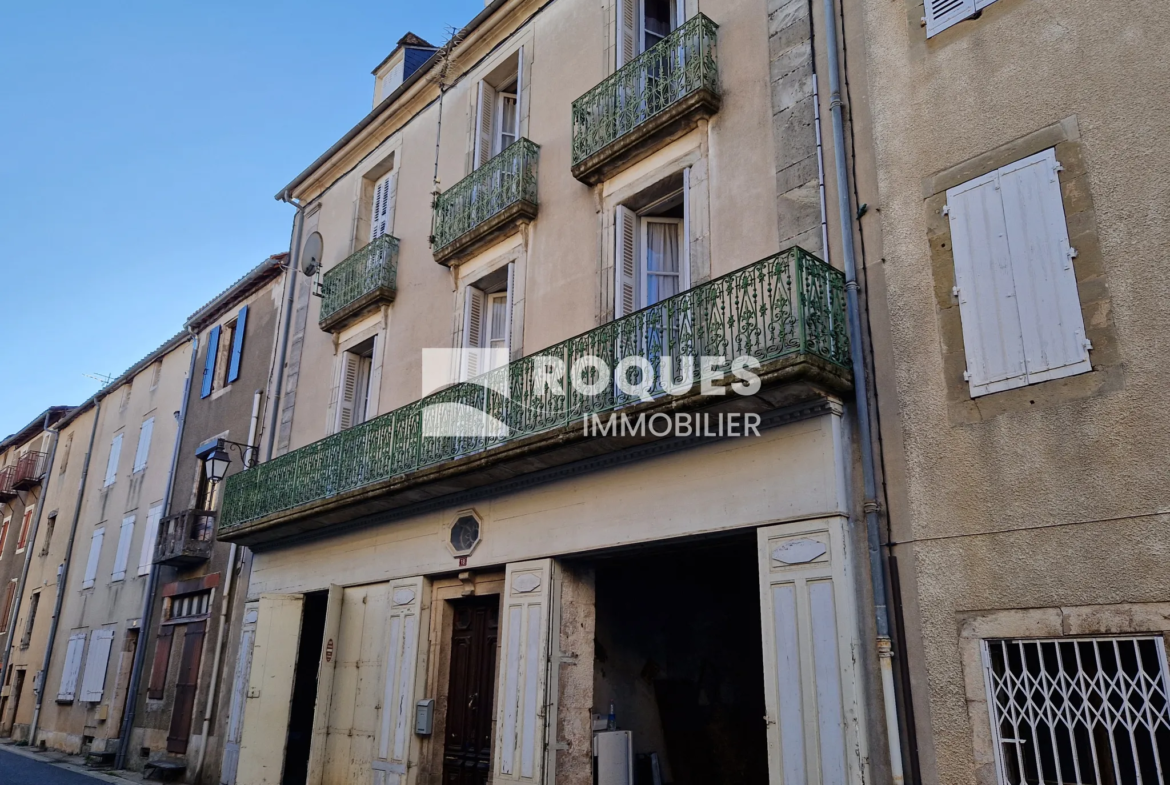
790,381
491,231
657,132
357,308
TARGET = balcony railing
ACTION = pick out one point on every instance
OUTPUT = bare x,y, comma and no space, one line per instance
788,304
30,469
186,538
7,482
486,203
365,278
670,82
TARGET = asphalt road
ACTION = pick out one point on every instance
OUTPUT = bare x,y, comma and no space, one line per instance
19,770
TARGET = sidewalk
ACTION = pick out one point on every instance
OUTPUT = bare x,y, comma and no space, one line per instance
70,763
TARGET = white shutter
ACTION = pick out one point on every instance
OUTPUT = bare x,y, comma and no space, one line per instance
93,684
73,652
983,277
473,305
1046,287
405,626
326,667
523,672
810,636
112,462
143,452
95,553
149,540
625,290
270,685
627,31
380,211
391,201
484,123
508,309
125,536
684,260
519,89
941,14
235,724
348,393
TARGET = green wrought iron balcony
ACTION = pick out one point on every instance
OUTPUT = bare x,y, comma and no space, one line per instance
786,311
650,101
488,204
365,279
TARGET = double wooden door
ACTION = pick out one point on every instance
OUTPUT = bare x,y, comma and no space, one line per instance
470,710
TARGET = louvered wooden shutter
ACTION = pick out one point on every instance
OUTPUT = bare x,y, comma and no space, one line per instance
209,361
473,305
519,89
627,31
112,461
95,553
149,540
406,625
625,290
523,672
484,123
508,309
162,660
391,201
1049,304
125,537
142,454
986,291
346,399
941,14
237,345
93,684
380,214
69,673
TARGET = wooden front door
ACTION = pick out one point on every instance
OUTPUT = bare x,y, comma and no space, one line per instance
468,746
185,687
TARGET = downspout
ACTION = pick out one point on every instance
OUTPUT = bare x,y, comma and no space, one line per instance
63,575
225,606
861,400
152,578
293,259
28,548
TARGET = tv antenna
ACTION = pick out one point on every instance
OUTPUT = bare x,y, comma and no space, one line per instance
104,378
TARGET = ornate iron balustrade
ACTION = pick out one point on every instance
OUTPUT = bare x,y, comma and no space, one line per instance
489,197
368,275
679,65
788,304
30,469
186,538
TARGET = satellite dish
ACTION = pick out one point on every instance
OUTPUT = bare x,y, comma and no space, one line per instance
311,254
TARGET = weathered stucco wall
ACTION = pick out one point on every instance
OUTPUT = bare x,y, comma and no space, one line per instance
1048,499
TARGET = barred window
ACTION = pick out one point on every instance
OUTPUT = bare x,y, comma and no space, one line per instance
1079,710
186,606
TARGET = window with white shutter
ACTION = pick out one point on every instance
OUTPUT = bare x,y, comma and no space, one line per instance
473,309
125,537
95,553
1014,278
353,395
484,123
112,462
382,210
143,452
149,539
68,688
93,683
941,14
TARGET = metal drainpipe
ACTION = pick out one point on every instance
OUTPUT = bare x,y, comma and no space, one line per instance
152,578
63,575
225,605
28,549
293,258
861,399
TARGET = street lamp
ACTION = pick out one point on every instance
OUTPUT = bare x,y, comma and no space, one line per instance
216,460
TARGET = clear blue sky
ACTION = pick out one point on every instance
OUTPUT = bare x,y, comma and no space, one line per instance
141,144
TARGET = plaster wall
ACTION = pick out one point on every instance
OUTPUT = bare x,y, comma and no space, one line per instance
1058,498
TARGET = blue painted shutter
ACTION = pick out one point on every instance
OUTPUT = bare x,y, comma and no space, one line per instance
209,362
237,346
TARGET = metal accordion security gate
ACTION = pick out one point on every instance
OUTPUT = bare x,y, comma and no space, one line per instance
1079,710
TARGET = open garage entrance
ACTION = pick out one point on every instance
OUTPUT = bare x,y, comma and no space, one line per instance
678,653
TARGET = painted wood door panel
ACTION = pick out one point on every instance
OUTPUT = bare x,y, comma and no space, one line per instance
467,745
